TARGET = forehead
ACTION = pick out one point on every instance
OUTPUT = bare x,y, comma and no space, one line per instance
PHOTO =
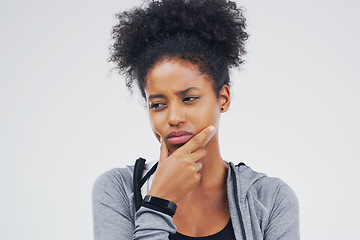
174,75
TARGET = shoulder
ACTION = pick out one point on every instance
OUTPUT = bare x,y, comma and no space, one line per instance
271,186
114,177
274,195
266,191
269,200
117,181
276,204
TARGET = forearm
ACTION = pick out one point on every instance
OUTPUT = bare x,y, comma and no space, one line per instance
114,216
151,224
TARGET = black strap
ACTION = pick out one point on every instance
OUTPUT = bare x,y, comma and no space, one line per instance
160,204
237,202
138,182
138,169
148,174
240,164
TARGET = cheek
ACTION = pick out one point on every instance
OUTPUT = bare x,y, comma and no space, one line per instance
156,123
208,114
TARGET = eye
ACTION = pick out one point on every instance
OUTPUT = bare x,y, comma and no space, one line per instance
190,99
157,106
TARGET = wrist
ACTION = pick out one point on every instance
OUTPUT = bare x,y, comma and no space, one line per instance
160,204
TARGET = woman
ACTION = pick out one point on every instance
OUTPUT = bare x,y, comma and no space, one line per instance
180,52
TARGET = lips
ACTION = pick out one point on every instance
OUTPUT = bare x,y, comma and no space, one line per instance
179,137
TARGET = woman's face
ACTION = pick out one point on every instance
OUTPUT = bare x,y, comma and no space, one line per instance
182,102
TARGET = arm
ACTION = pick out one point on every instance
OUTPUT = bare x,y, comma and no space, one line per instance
284,216
113,212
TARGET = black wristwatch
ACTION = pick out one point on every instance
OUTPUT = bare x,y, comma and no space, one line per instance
159,204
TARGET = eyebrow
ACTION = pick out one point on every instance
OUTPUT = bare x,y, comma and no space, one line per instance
182,92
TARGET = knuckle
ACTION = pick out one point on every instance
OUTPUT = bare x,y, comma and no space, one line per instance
203,152
187,159
198,166
176,154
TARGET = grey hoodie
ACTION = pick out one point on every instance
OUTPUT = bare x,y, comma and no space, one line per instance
268,208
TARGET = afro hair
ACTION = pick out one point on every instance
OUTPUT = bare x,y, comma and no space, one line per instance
208,33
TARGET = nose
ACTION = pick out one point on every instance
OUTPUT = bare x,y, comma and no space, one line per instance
176,115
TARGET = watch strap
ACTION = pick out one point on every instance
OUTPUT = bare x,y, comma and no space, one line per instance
159,204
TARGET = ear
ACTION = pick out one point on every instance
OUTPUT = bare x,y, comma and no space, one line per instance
224,98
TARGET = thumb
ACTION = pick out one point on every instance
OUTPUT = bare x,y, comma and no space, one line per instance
164,152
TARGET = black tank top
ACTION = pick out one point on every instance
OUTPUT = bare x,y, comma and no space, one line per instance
226,233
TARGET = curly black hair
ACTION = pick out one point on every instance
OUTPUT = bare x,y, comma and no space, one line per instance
208,33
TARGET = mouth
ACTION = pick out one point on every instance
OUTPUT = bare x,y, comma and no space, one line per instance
179,137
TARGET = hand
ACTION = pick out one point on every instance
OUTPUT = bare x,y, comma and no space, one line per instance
178,173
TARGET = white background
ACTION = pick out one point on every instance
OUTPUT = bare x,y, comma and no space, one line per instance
65,119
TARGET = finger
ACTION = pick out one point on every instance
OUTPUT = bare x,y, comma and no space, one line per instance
199,140
198,166
198,178
164,152
198,154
